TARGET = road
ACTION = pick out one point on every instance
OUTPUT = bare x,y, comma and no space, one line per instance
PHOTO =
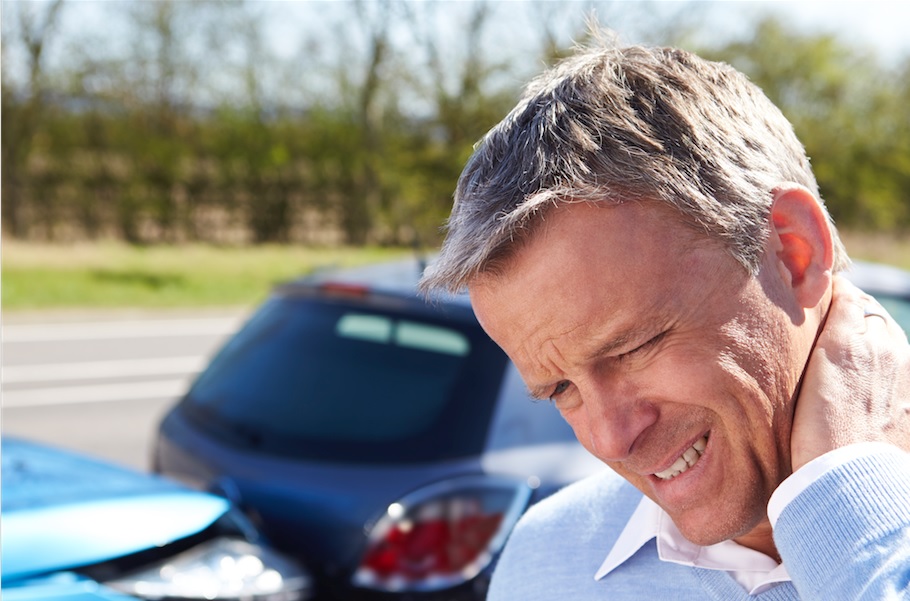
100,383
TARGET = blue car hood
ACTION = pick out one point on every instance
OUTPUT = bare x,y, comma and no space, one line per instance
61,510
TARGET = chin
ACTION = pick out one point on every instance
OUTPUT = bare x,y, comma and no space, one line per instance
715,527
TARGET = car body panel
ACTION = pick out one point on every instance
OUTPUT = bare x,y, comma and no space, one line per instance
330,502
53,538
62,510
879,279
63,586
78,529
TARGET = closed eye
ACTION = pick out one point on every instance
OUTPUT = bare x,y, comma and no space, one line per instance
643,347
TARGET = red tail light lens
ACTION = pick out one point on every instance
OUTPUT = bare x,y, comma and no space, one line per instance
344,289
419,550
441,536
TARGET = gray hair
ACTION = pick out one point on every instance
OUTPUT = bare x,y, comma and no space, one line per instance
613,125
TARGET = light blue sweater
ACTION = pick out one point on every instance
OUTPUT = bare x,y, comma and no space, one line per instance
847,536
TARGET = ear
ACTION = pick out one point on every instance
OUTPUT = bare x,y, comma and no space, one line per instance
801,238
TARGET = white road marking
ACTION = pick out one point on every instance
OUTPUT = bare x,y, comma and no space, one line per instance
104,393
159,328
92,370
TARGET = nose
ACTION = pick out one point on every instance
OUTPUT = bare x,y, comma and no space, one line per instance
616,416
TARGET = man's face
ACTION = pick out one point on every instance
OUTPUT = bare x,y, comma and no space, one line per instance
663,355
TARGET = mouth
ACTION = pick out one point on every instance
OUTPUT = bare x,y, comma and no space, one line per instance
686,460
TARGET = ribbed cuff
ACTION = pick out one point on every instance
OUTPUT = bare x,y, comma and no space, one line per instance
841,525
815,469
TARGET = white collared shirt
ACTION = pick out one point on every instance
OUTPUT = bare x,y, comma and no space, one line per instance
753,570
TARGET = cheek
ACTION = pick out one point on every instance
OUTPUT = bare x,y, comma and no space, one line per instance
732,392
682,372
753,404
758,357
721,382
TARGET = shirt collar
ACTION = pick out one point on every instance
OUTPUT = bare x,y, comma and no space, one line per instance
753,570
643,525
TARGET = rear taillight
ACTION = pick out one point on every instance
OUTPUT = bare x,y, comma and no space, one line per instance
441,536
344,289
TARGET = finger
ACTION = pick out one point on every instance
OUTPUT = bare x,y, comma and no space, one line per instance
877,320
851,305
873,311
874,316
846,313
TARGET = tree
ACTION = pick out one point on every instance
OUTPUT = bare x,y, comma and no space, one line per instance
22,117
466,89
845,107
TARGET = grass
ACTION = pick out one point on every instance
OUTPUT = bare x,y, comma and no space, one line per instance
114,275
108,275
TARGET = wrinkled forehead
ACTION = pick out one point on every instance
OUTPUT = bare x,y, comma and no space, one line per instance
546,228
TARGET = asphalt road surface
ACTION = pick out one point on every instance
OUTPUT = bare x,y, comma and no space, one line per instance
100,383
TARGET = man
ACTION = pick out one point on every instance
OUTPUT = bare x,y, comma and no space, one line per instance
644,237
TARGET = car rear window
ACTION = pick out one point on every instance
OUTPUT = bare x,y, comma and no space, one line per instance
312,378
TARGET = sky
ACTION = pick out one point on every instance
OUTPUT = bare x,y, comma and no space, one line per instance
879,24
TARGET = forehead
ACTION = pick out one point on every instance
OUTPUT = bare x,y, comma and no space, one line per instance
609,263
618,237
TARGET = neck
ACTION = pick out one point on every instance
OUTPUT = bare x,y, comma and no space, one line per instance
760,539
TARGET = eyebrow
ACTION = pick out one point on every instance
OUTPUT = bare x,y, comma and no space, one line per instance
541,393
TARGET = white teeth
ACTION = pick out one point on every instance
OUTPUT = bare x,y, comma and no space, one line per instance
685,461
691,456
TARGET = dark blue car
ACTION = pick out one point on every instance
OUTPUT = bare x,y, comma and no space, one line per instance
385,441
76,529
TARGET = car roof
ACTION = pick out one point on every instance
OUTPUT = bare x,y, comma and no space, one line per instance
400,279
876,278
394,278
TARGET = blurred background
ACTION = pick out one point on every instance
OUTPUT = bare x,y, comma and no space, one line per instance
165,162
